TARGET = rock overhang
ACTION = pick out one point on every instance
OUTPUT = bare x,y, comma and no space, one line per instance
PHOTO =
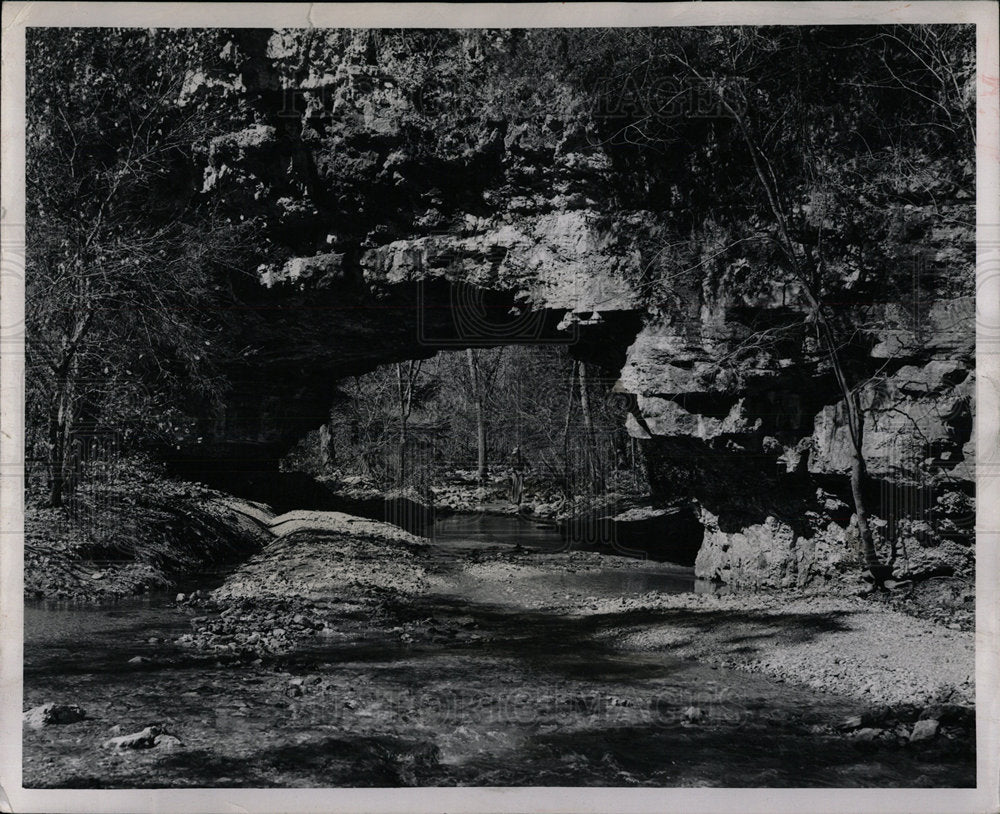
495,232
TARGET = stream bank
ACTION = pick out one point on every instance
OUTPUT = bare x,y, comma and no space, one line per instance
153,537
348,652
866,650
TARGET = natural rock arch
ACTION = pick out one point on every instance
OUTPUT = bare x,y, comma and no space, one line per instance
389,246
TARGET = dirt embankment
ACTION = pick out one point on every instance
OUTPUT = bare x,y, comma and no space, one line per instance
123,542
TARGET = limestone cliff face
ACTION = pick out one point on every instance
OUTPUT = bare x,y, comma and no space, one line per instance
393,225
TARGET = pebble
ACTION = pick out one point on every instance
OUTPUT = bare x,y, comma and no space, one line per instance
167,742
852,722
867,734
924,730
693,714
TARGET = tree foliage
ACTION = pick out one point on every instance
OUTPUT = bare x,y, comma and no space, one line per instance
124,286
532,401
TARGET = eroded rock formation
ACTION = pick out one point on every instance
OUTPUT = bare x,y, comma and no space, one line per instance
384,238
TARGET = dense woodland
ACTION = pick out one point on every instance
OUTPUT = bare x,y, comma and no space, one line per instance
481,410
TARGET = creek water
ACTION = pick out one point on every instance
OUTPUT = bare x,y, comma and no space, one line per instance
489,530
507,695
484,532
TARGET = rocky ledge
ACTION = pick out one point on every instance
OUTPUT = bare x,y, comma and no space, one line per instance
368,258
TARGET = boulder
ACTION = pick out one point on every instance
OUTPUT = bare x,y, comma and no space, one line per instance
53,713
144,739
768,554
867,733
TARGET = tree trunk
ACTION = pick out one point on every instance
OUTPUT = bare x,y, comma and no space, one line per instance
859,473
405,385
856,429
567,473
403,415
590,443
855,416
327,448
401,462
477,396
57,478
60,427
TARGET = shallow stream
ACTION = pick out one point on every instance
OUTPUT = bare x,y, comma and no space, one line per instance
520,695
